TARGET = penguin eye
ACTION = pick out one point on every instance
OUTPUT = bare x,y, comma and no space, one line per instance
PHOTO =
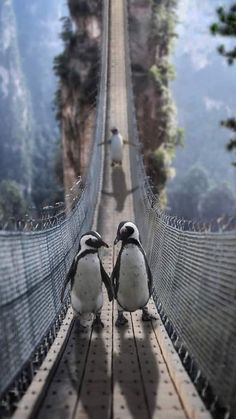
92,243
125,232
130,230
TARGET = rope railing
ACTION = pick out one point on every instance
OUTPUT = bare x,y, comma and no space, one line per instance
194,272
35,260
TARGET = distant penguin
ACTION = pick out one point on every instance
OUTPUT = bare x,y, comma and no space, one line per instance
86,275
131,277
117,144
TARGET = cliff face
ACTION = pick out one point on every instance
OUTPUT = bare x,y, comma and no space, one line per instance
151,31
28,130
143,56
16,125
78,70
38,26
151,26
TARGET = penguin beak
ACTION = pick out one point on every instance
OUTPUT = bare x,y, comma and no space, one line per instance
102,243
116,240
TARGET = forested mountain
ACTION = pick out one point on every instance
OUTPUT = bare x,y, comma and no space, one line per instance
29,42
204,94
16,121
77,69
38,28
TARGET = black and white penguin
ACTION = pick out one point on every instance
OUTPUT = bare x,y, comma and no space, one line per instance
117,144
131,276
86,275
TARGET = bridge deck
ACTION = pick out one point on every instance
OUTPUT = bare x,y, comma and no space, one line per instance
116,373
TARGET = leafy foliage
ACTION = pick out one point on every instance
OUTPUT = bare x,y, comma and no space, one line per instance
68,65
12,203
185,199
156,112
47,189
77,71
83,8
196,197
218,202
231,124
226,26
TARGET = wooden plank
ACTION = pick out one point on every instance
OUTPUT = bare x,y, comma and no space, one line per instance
31,401
95,398
128,397
158,388
66,384
192,403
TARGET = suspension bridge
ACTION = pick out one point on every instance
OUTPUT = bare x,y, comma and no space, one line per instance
163,369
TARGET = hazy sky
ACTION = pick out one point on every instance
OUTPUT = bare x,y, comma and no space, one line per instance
204,88
195,18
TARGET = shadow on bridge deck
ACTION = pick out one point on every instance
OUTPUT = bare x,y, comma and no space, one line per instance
105,375
119,188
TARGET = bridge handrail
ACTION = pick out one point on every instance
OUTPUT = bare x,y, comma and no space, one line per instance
33,264
194,274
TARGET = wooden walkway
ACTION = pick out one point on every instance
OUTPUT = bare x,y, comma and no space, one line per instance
114,373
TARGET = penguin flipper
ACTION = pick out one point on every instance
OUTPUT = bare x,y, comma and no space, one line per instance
69,277
130,143
132,190
149,273
107,282
115,274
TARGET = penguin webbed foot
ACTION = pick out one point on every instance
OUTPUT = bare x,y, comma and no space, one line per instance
121,320
147,317
97,323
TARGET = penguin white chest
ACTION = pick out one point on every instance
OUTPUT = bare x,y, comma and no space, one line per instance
133,291
117,148
86,294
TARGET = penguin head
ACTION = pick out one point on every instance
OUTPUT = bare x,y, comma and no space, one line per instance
114,130
126,230
91,240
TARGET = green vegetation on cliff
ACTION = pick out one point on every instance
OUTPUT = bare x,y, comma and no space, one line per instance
77,70
12,203
152,71
226,26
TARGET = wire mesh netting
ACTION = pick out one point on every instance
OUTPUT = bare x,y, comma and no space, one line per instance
194,278
33,265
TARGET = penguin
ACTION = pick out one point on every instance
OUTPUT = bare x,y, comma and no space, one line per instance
131,276
86,275
117,144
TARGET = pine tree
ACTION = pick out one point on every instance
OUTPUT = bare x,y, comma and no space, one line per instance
226,26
